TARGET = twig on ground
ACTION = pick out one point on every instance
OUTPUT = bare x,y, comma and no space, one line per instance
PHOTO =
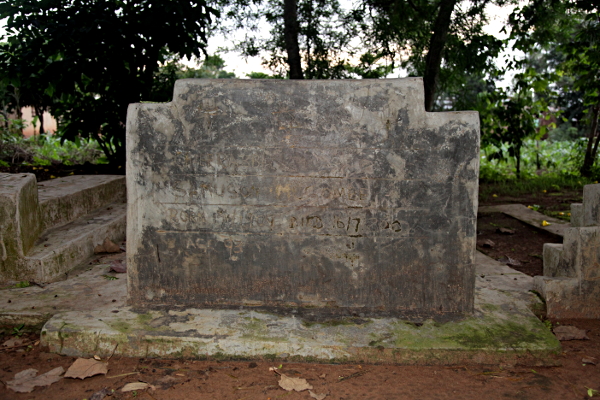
354,375
113,352
121,375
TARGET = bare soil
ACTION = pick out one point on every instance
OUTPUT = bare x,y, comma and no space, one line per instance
524,246
190,379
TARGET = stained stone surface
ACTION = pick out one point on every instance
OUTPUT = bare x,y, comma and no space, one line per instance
320,198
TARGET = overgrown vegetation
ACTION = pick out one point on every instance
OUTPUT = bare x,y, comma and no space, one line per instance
547,184
538,158
43,150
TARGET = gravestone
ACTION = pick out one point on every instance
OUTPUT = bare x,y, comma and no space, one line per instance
321,198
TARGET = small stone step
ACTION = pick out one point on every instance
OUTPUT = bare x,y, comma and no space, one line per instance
60,249
552,259
63,200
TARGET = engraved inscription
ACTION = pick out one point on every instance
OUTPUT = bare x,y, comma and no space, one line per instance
288,193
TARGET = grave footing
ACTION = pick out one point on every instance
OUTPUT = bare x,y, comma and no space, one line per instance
502,330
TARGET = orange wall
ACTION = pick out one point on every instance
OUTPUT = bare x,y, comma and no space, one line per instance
49,122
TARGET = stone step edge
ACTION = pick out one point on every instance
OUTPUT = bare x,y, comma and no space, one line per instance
530,217
60,249
95,192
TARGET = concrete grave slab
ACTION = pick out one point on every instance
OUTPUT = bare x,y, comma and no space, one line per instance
329,198
90,287
571,281
47,228
20,219
524,214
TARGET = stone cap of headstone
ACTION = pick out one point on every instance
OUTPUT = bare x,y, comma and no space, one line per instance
325,197
591,205
577,215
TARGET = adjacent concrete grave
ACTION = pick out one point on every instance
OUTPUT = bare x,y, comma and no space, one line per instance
571,281
324,198
48,228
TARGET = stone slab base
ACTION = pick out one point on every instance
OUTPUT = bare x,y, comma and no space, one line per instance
569,298
86,289
246,334
503,329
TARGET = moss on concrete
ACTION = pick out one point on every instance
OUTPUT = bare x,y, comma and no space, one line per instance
338,322
473,333
121,326
144,319
257,329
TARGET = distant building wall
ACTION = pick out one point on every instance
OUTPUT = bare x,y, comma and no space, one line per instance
49,122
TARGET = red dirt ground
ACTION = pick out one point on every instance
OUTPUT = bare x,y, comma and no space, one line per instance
188,379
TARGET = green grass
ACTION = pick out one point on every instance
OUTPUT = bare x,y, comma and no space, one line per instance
550,183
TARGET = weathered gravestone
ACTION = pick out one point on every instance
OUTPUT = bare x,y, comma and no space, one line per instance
319,197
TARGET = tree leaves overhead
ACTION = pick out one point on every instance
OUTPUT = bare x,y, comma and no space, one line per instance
324,33
442,41
92,58
573,29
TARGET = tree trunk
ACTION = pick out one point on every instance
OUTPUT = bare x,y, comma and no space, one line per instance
437,43
592,148
290,23
518,161
39,111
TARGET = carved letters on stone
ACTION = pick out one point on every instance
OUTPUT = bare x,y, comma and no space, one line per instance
331,196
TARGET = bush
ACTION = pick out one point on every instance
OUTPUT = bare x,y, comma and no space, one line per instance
558,158
44,149
10,138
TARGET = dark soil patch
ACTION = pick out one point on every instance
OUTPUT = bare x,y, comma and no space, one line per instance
524,246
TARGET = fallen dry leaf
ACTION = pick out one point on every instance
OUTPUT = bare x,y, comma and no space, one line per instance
26,380
130,387
318,396
13,342
118,266
589,360
85,367
108,246
570,333
297,384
